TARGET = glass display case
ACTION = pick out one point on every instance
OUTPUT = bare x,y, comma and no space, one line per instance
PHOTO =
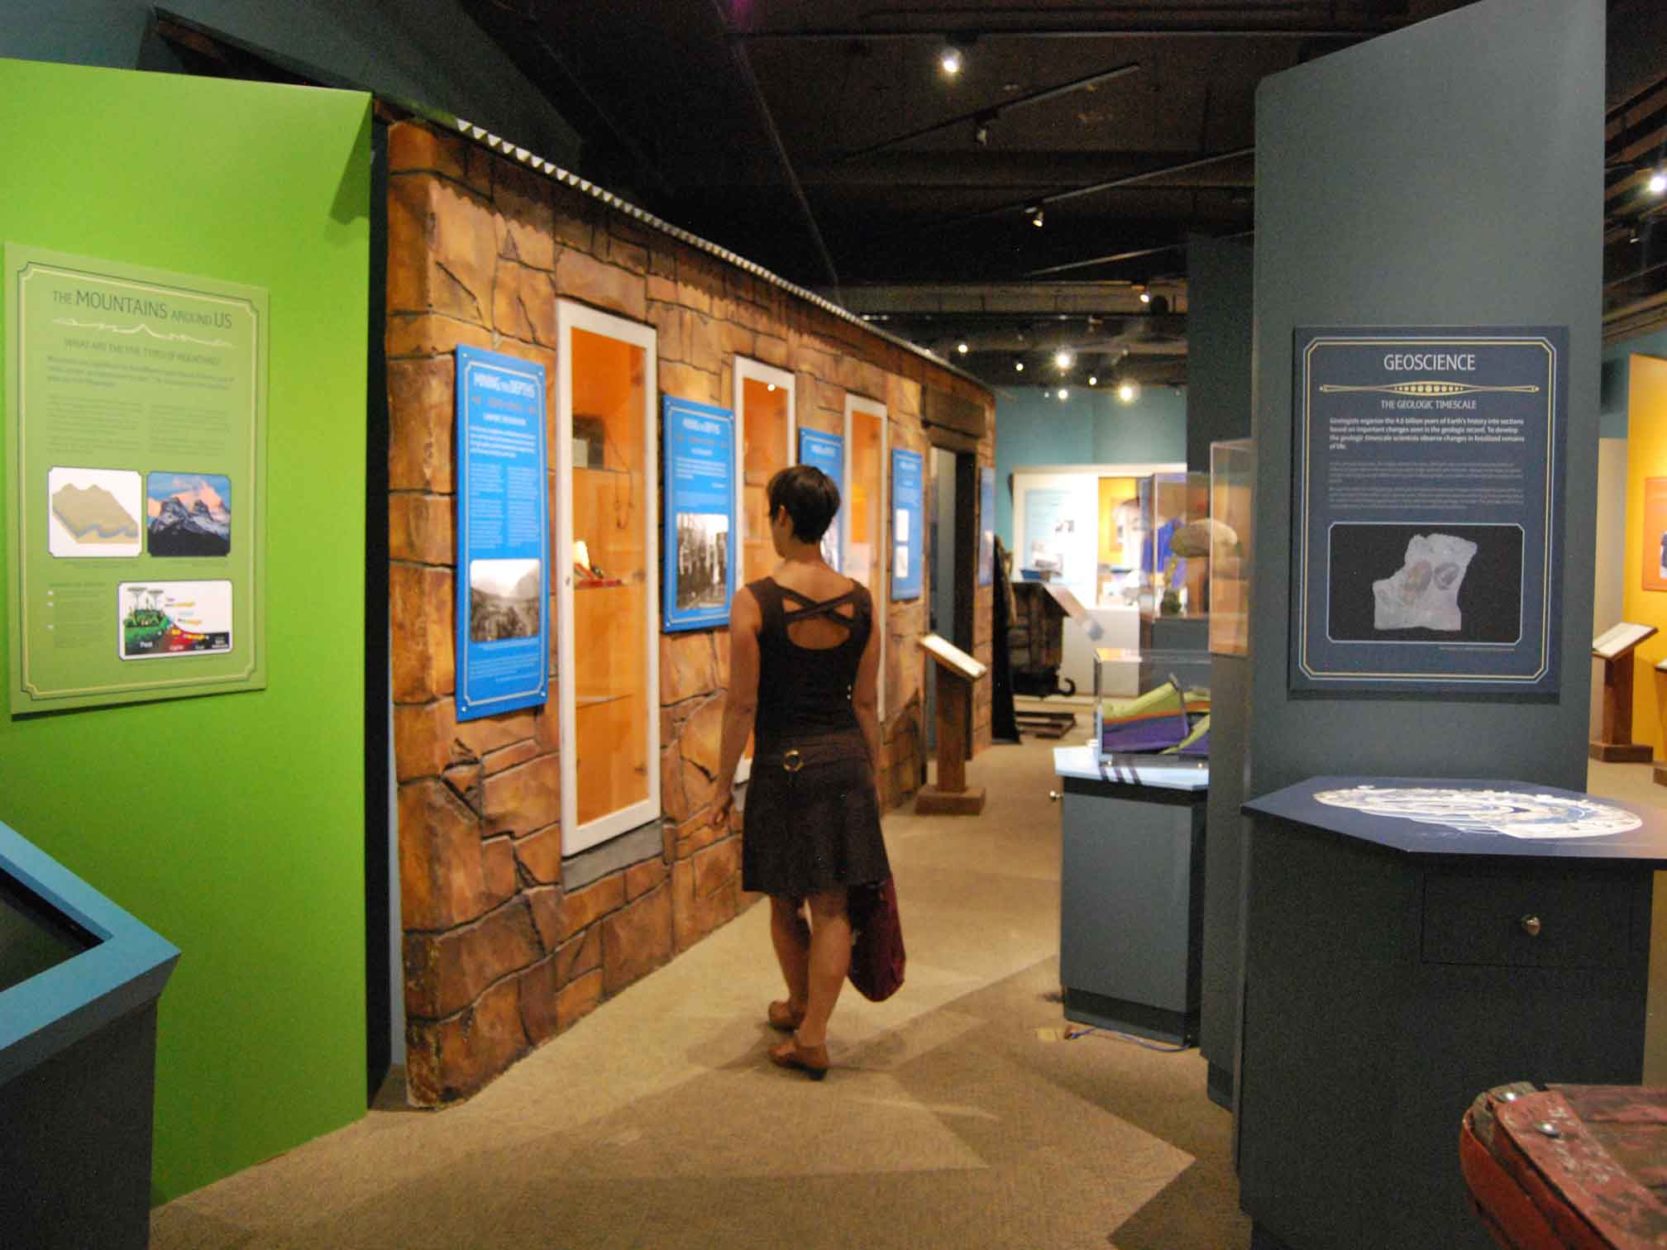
608,607
863,507
1232,477
1175,544
765,419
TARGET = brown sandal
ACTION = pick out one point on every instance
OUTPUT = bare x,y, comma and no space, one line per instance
811,1060
782,1016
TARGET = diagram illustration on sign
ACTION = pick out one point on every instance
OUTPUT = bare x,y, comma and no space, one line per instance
93,513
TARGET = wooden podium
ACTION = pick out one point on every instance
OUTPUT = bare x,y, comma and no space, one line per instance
1615,647
956,671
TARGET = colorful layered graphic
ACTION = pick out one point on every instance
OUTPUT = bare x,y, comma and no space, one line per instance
174,618
93,513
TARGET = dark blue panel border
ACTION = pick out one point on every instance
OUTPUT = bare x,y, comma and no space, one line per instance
827,452
698,461
1410,443
72,1000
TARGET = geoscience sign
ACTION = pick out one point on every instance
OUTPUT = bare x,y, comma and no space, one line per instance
135,448
1427,487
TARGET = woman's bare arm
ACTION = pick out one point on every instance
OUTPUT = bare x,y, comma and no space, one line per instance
741,699
865,698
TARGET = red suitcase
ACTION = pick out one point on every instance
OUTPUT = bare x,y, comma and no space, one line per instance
1569,1167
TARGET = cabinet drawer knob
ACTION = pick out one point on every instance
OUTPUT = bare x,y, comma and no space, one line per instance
1531,926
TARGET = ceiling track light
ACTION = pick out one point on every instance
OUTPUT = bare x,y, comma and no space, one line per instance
950,61
1658,181
961,348
1063,359
1145,296
1018,366
1034,212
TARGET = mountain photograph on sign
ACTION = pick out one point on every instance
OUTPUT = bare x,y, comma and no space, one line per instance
503,599
190,514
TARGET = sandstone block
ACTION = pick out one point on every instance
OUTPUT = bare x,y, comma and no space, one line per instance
413,146
538,991
463,252
510,756
446,972
441,874
772,350
510,315
583,277
642,877
720,651
687,382
716,865
539,854
464,780
524,798
545,903
420,608
661,289
497,859
735,339
662,258
423,334
687,667
525,220
636,940
701,742
408,259
697,832
420,422
452,1058
692,293
578,998
420,529
685,928
626,255
422,743
706,349
577,956
671,340
585,907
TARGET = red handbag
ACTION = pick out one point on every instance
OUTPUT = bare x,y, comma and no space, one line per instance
877,956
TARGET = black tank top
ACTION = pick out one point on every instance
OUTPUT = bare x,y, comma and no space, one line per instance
805,692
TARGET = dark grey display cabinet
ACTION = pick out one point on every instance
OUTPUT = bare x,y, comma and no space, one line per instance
1411,943
1131,892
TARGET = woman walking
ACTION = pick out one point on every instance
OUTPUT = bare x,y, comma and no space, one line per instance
803,663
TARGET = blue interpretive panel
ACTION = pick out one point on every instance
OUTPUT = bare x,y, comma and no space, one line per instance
700,540
826,452
908,519
503,536
986,526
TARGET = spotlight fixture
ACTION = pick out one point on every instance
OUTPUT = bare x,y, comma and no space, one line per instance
1658,182
950,61
1018,366
1035,213
771,387
1127,391
961,348
1064,394
981,134
1092,380
1145,296
1063,359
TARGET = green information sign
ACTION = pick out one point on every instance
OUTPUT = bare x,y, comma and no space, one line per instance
135,441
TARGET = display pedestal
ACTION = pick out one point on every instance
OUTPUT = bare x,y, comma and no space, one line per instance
956,671
1615,745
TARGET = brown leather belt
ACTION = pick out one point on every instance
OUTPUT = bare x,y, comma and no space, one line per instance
811,752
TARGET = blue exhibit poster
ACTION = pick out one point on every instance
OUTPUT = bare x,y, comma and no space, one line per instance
908,519
826,452
1427,490
700,541
986,526
503,536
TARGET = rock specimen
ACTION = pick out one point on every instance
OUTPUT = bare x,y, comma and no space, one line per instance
1424,592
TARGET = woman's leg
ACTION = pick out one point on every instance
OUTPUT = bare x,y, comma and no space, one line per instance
830,961
791,937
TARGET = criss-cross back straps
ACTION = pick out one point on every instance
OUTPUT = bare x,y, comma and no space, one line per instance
818,607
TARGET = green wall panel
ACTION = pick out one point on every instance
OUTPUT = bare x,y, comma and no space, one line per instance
232,824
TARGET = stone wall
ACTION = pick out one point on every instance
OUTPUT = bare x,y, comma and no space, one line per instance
499,954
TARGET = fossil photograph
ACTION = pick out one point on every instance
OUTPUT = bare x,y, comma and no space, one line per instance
702,560
1425,583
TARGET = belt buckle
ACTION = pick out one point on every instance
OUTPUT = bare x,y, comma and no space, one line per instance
792,761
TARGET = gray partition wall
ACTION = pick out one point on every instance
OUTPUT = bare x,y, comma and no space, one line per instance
1219,398
1450,174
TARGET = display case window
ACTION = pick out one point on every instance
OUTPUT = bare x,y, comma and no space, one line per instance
764,411
863,507
1232,480
1175,544
608,607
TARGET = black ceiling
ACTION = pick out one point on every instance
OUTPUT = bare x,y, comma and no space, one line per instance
822,139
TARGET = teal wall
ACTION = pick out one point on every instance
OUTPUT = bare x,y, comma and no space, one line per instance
1091,427
232,824
1612,413
426,51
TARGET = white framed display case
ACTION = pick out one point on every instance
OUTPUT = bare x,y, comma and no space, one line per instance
607,597
864,504
766,440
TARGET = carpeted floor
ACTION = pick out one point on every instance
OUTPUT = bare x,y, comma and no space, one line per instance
955,1116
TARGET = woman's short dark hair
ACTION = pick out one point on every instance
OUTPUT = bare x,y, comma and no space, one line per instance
810,498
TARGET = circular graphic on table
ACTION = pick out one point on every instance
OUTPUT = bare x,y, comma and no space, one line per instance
1516,813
